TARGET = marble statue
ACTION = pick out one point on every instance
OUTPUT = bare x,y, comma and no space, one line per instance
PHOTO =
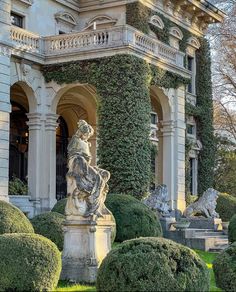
158,200
205,205
86,185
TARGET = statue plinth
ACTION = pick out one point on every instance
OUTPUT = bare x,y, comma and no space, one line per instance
205,223
86,244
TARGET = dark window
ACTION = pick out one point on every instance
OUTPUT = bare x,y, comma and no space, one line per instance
17,20
190,129
153,118
61,32
190,68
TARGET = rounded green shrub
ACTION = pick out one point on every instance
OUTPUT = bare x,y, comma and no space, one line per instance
152,264
224,267
226,206
50,225
232,229
133,218
13,220
29,262
59,207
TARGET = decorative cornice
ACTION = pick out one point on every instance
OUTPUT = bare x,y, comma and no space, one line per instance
27,2
65,17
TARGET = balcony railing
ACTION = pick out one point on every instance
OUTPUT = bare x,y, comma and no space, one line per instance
115,37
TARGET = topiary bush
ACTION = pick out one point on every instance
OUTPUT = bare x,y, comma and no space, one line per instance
224,268
133,218
29,262
50,225
13,220
226,206
232,229
152,264
60,206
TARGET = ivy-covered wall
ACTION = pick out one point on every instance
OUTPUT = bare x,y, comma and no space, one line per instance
138,16
123,84
203,113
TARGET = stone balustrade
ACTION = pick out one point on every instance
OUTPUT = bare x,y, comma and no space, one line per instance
116,37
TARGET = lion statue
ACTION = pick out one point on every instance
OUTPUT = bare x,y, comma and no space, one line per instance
205,205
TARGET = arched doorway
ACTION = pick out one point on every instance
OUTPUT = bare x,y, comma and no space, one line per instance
19,135
61,158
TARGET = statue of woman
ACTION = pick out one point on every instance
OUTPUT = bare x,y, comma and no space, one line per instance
86,185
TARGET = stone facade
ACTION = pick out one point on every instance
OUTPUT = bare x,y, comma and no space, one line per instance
56,31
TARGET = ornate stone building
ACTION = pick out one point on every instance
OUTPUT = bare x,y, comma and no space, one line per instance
39,112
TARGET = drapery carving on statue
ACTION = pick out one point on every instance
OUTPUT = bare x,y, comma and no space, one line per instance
86,185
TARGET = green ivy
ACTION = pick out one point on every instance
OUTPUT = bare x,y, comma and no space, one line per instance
138,16
205,130
123,84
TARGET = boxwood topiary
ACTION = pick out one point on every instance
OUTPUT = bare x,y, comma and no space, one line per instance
232,229
152,264
133,218
29,262
13,220
50,225
226,206
59,207
224,268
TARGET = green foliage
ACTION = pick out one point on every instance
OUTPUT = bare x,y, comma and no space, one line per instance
225,170
224,268
29,262
152,264
133,218
138,16
17,187
50,225
123,114
59,207
232,229
226,206
190,199
12,220
205,131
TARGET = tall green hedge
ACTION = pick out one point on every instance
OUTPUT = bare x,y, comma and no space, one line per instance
205,130
123,84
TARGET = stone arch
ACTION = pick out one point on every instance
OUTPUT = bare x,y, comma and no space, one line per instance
157,21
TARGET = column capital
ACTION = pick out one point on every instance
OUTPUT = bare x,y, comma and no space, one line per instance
51,122
5,50
167,126
35,121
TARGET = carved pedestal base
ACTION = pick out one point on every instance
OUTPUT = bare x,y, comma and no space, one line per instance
86,243
205,223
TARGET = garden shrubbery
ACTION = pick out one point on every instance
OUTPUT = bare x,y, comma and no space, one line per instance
152,264
29,262
50,225
60,206
226,206
224,268
232,229
13,220
133,218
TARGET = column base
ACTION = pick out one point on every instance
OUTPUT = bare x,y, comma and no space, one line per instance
86,244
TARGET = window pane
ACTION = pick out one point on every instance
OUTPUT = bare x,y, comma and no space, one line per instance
17,20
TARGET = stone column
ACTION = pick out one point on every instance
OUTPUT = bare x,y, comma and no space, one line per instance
50,161
5,107
35,160
180,148
169,159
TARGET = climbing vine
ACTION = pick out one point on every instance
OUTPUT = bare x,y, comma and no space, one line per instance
123,84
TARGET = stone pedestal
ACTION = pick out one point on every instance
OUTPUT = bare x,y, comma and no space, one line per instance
166,224
86,244
205,223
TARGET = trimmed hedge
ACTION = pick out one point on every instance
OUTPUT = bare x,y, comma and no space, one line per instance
60,208
133,218
232,229
152,264
50,225
226,206
29,262
13,220
224,268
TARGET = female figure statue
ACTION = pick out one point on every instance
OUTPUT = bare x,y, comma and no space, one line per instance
86,185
